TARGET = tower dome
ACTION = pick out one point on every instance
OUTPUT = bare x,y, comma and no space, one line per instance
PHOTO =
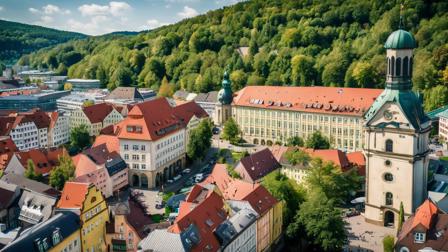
400,39
225,96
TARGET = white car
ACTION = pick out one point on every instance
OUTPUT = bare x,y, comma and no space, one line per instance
169,181
199,177
186,171
177,177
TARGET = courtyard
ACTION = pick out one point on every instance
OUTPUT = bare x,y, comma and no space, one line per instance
363,236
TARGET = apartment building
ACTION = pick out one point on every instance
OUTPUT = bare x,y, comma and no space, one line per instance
95,117
271,114
153,140
59,130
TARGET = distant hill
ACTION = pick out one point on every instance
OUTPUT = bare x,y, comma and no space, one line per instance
329,43
17,39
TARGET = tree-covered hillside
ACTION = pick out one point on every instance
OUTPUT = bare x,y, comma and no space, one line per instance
332,43
17,39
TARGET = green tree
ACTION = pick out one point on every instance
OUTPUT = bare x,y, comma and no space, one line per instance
166,89
388,243
330,180
31,172
200,140
365,75
295,141
232,172
79,137
88,103
297,156
291,37
303,72
323,222
238,79
401,217
62,173
317,141
231,132
435,97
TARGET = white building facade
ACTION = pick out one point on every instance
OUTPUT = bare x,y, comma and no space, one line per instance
396,140
26,136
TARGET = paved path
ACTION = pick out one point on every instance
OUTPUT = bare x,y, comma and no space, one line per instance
364,236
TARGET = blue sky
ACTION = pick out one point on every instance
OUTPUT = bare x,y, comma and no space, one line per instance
95,17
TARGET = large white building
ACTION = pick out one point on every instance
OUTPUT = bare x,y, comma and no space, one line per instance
59,130
396,145
153,140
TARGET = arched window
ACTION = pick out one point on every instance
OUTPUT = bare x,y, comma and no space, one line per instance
405,66
392,67
388,177
389,199
398,67
389,145
388,66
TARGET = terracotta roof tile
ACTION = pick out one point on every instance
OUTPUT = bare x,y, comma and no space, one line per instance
425,214
73,195
111,142
338,157
327,100
7,149
98,112
44,159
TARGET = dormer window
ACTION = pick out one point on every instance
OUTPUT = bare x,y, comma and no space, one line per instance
419,237
56,237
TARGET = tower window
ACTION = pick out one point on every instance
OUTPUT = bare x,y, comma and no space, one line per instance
388,177
389,199
410,67
389,145
405,66
398,67
392,68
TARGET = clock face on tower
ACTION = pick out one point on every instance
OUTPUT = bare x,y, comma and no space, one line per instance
388,115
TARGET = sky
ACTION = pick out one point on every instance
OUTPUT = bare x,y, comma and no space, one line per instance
96,17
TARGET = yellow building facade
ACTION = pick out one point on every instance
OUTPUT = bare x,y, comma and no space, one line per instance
71,243
93,217
268,114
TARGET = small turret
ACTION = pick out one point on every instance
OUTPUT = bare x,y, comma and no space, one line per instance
225,96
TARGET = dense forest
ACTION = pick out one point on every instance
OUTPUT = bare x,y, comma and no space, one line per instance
302,43
17,39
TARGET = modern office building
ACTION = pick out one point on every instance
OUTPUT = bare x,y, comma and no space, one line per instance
83,84
45,100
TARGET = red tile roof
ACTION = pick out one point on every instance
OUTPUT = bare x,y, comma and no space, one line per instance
112,142
151,120
278,151
187,110
83,165
9,121
425,214
7,149
73,195
205,209
358,159
234,189
327,100
338,157
97,112
257,165
44,159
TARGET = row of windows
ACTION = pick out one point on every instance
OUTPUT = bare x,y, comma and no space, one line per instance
135,147
92,212
169,141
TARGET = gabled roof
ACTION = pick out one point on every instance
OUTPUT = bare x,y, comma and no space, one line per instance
425,214
44,159
29,184
7,149
12,120
208,212
66,222
150,120
9,193
325,100
257,165
83,165
73,195
35,207
130,93
210,97
187,110
336,156
111,141
98,112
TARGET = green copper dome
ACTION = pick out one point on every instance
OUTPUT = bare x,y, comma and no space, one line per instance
225,96
400,39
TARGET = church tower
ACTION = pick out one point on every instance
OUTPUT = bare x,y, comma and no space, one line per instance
225,98
396,144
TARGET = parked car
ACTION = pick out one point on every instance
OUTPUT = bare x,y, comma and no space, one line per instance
215,131
169,181
177,177
199,177
186,171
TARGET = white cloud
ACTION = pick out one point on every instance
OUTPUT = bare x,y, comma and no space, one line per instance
51,9
187,12
113,8
33,10
181,1
46,19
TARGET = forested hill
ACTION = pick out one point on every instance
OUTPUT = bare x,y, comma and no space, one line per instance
17,39
337,43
